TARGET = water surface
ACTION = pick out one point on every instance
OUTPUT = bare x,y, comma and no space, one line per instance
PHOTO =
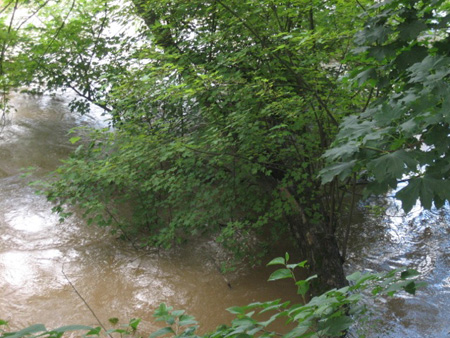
50,270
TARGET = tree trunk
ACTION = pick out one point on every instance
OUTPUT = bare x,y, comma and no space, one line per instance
318,245
320,249
316,241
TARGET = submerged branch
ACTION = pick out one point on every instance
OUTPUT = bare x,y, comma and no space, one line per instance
84,300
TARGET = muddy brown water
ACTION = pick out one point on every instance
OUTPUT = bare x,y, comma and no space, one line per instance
40,258
37,252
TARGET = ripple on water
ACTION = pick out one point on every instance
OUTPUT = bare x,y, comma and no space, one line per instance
418,240
27,272
117,281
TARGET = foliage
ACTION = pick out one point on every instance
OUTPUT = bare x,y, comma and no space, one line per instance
39,330
221,111
167,182
328,315
403,135
221,114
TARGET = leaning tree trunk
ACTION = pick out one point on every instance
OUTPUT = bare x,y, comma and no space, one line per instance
318,245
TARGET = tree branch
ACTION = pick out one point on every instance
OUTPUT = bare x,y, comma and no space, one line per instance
84,301
6,7
33,14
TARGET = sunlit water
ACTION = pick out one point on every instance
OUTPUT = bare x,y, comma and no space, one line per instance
419,240
40,258
44,263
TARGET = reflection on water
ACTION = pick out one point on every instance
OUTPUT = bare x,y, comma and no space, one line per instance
37,253
418,240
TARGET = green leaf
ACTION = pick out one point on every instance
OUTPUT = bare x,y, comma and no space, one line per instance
236,310
340,170
162,332
426,189
380,53
411,56
25,332
392,165
311,278
113,320
410,288
177,313
354,276
187,320
410,273
277,261
374,34
303,287
345,150
336,325
431,69
120,331
134,323
286,256
410,30
298,331
280,274
394,288
74,140
366,76
94,332
72,328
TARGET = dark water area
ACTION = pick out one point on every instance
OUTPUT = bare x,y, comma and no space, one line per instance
42,260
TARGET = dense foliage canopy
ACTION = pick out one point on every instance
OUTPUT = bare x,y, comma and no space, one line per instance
403,135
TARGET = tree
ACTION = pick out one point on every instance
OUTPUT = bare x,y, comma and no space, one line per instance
7,39
403,135
222,112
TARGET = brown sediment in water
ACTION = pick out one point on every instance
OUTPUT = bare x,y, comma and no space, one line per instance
116,280
48,268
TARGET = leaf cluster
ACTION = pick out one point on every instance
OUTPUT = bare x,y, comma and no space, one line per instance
403,135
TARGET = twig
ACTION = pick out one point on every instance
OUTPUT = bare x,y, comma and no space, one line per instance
361,5
5,43
119,225
213,260
368,100
6,7
349,222
33,14
84,301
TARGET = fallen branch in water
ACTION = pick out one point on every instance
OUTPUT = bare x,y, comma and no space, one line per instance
84,301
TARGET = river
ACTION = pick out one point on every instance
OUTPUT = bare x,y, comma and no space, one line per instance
51,271
419,240
37,252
